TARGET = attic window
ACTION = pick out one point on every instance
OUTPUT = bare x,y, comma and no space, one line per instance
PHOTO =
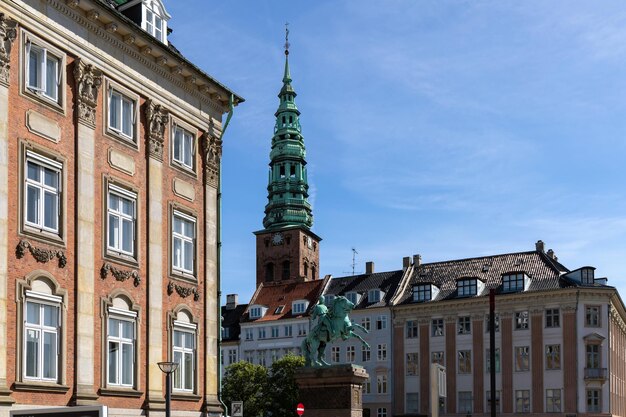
299,307
353,297
422,292
279,309
466,287
329,298
154,25
513,282
256,312
374,296
587,275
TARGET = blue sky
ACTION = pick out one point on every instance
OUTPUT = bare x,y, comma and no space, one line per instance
451,129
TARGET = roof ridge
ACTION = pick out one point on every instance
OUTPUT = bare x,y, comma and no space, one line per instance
500,255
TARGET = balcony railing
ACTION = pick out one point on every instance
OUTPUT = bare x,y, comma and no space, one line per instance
595,373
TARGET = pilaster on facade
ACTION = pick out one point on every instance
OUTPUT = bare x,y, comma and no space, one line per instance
88,81
157,118
212,156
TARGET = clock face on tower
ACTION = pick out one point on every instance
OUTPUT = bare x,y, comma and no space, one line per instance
277,239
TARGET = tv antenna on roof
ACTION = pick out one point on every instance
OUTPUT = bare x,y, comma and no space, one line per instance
354,254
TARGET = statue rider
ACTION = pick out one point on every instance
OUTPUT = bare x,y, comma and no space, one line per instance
321,313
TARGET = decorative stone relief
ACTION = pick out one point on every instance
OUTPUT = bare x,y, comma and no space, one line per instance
157,118
40,255
119,274
212,150
8,33
183,291
88,81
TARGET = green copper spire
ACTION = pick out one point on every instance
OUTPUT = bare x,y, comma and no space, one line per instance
288,189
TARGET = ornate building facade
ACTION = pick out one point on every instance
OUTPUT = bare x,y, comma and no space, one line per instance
110,148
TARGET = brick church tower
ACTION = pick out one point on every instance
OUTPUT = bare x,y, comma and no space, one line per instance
286,248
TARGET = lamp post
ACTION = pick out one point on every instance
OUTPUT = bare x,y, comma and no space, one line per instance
168,368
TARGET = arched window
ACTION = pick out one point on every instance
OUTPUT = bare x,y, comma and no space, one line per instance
306,269
121,346
269,272
184,350
286,270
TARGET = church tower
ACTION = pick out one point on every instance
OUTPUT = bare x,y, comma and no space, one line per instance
286,247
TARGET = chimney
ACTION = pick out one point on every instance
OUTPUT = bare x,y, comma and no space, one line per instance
406,262
417,260
369,267
539,246
551,255
231,301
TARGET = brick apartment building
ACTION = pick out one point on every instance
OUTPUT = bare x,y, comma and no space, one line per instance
110,147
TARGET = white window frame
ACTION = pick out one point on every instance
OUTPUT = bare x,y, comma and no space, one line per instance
522,401
350,354
467,287
124,98
187,330
186,148
366,353
249,334
593,314
412,329
381,354
556,405
522,320
302,329
39,89
511,282
299,307
381,384
122,193
437,327
150,18
374,296
553,317
464,325
366,322
335,354
422,292
42,300
43,163
178,262
122,316
381,322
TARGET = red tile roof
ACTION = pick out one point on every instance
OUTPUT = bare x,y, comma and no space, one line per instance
274,295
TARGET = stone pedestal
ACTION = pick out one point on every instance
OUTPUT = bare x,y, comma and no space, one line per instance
334,391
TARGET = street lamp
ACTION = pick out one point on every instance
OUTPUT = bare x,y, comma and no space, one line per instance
168,368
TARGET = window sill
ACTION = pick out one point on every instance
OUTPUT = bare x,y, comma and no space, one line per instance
189,172
185,396
121,259
49,103
43,236
184,277
121,139
38,386
120,392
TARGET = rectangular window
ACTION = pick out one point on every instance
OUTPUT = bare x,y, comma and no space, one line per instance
121,216
552,317
121,355
381,382
496,323
367,386
183,242
553,356
248,356
412,329
513,283
412,402
437,327
466,287
522,401
488,360
335,354
592,354
587,276
41,341
422,292
522,361
350,354
44,71
465,402
465,325
521,320
381,412
592,316
593,401
299,308
373,296
437,357
366,353
412,364
121,114
275,331
489,401
465,361
262,355
184,351
382,352
553,400
225,332
381,322
366,323
232,356
249,334
183,147
261,332
288,330
302,329
42,193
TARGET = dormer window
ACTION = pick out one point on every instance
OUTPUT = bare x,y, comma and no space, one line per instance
587,276
467,287
353,297
257,311
374,296
328,299
513,282
299,307
422,292
153,15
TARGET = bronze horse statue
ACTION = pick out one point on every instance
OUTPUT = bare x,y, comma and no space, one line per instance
333,324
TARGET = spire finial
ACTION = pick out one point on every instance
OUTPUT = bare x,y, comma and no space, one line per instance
287,38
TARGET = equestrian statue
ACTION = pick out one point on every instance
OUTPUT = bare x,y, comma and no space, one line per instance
332,323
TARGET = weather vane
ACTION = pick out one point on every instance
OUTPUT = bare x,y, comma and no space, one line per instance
287,38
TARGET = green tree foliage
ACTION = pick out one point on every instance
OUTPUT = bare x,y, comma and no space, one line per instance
263,392
246,382
282,390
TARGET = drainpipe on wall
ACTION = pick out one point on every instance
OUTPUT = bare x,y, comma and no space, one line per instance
219,266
